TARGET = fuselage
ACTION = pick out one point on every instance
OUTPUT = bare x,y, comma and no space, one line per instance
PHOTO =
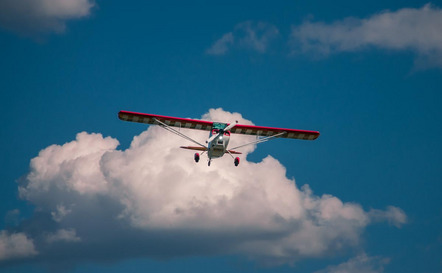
218,146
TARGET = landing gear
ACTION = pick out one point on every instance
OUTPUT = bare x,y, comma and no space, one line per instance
197,157
236,161
208,164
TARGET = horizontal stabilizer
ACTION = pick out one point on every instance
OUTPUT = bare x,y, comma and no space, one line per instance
196,148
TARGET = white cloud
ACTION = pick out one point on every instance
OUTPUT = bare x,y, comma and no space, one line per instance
361,264
60,212
42,16
15,245
393,215
248,35
221,46
65,235
419,30
154,191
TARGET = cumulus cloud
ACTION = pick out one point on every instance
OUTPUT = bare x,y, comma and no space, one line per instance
419,30
42,16
222,45
15,245
248,35
393,215
361,264
153,200
60,212
65,235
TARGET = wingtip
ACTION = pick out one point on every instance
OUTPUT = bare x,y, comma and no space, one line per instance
120,114
316,136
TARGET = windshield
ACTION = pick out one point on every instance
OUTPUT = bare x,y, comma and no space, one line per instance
219,125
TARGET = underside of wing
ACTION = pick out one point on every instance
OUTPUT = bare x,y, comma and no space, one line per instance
270,131
170,121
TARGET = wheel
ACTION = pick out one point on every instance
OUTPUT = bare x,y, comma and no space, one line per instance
208,164
236,161
197,157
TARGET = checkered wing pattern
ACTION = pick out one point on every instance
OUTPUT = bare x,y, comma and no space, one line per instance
207,125
270,131
171,121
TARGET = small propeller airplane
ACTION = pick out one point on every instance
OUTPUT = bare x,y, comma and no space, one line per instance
216,144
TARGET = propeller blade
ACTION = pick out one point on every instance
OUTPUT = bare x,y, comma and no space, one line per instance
212,138
230,126
222,131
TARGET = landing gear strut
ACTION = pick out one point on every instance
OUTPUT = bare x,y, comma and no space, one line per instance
236,161
197,157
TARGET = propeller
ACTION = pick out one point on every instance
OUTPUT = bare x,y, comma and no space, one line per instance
231,125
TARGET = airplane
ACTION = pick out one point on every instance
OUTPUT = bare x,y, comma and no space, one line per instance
219,137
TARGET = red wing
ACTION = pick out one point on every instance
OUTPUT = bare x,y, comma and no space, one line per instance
270,131
207,125
171,121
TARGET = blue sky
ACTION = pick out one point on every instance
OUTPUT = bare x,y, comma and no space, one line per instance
367,76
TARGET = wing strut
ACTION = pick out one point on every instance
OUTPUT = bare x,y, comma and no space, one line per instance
259,140
230,154
170,129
